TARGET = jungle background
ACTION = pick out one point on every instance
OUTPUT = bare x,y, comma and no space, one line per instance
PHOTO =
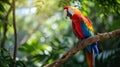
45,35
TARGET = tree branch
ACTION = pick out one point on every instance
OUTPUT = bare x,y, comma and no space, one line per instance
5,24
25,38
15,34
81,45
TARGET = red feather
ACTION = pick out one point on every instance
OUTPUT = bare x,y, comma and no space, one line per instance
90,59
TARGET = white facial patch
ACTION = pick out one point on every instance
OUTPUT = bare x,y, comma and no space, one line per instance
71,11
65,13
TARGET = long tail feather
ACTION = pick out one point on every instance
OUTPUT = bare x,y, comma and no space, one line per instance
90,58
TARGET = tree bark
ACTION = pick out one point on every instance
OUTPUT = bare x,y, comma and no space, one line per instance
15,34
81,45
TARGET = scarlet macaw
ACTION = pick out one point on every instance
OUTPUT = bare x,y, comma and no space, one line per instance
82,28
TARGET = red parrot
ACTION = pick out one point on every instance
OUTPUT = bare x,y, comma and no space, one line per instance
82,28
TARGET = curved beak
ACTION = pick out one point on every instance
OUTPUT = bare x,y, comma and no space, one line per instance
65,13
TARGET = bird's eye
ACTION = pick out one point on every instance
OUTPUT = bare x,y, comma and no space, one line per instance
71,11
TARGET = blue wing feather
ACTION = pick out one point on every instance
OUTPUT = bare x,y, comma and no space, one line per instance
87,33
85,30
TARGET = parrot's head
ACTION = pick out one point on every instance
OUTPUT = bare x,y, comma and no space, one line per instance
70,11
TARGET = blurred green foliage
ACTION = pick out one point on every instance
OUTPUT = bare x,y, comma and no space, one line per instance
44,35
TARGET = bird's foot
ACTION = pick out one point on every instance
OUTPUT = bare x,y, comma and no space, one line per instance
80,42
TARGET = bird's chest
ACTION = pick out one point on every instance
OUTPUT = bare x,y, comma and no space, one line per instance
77,29
75,19
75,23
76,26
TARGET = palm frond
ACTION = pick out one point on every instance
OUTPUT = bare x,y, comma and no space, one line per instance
109,58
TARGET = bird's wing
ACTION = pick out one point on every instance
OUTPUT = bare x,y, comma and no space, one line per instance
87,27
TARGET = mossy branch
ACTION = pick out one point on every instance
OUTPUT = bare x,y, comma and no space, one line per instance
81,45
